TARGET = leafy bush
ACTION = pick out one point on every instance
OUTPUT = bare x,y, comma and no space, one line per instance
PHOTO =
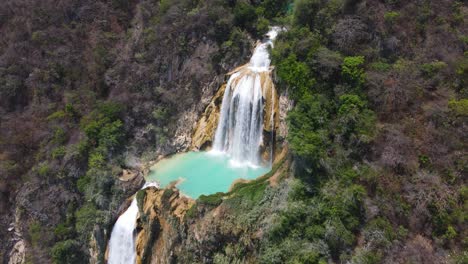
305,12
68,251
380,66
140,198
86,217
43,170
308,135
459,107
274,8
59,152
352,70
211,200
60,136
35,230
391,16
356,121
430,69
296,74
244,15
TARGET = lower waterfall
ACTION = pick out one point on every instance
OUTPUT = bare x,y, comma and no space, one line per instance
122,240
240,128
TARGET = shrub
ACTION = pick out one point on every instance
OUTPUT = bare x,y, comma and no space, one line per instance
96,160
211,200
380,66
56,115
140,198
262,26
308,136
86,217
68,251
459,107
352,70
355,121
391,16
43,170
296,75
60,136
305,12
35,230
63,231
430,69
244,15
58,152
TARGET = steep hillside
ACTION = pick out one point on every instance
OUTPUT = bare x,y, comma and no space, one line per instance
88,89
91,91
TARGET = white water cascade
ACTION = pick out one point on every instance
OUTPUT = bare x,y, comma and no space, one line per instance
122,241
240,128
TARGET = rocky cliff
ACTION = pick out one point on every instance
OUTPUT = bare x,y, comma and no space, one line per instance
222,227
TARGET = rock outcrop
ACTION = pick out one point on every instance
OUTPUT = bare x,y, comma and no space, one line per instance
205,128
161,213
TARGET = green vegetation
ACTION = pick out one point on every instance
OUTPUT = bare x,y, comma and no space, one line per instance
68,251
391,16
459,107
376,134
35,233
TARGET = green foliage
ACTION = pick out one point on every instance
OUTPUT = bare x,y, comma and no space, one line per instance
366,256
83,183
296,75
63,230
431,69
352,70
424,161
305,12
308,136
59,152
140,198
380,66
96,160
60,136
110,135
43,170
391,16
459,107
57,115
211,200
244,15
35,230
262,26
356,121
68,251
274,8
86,217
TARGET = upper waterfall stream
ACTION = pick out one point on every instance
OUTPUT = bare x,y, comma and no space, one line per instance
236,151
240,127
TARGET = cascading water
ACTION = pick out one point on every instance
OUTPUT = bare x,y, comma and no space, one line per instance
240,128
239,134
122,241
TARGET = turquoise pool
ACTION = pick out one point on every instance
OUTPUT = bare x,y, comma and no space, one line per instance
202,172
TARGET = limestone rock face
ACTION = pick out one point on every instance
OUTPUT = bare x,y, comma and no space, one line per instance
205,128
17,255
161,217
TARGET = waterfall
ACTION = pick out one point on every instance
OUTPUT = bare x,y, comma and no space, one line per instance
122,241
240,128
